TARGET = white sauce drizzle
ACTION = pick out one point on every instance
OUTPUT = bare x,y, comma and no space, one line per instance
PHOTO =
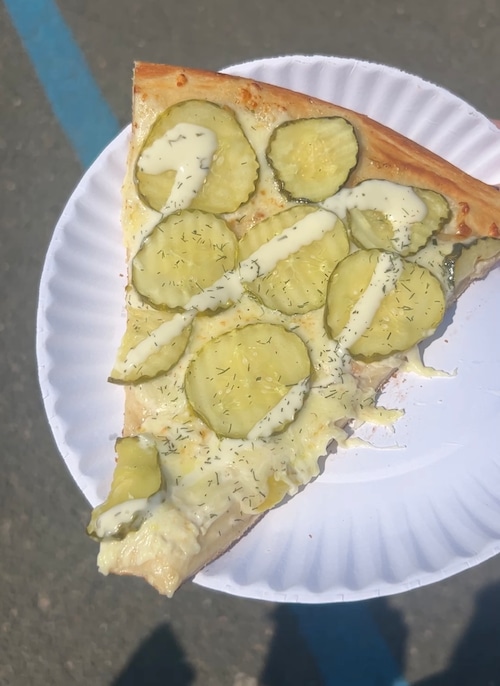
187,149
153,219
384,279
229,287
161,336
431,256
282,413
385,276
400,204
309,229
109,522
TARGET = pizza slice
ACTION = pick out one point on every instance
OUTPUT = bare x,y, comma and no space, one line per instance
285,258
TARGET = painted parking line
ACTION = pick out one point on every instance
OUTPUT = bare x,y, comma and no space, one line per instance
343,638
346,645
62,70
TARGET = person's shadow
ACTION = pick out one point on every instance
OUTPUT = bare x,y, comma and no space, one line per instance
476,658
366,643
158,661
344,643
339,643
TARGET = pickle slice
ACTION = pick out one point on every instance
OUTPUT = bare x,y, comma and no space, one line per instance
312,158
401,313
298,283
465,260
238,378
433,257
233,171
373,229
184,254
456,264
137,475
134,364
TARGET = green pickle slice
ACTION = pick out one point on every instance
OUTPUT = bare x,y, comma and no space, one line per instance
466,257
373,229
184,254
236,379
298,283
312,158
404,315
453,263
137,475
141,324
233,171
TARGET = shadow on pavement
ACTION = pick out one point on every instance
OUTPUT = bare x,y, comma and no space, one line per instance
345,643
342,641
290,661
476,658
158,661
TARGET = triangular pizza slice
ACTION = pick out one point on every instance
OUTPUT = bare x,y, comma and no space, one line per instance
285,258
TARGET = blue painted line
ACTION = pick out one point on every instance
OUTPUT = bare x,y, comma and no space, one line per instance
343,638
347,646
61,68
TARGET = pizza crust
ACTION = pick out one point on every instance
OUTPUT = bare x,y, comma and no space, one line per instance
384,153
148,553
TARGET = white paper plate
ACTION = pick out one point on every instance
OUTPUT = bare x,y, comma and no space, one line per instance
377,521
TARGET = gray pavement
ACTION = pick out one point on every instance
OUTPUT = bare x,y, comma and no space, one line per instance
60,622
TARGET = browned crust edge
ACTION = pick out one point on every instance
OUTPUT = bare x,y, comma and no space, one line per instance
384,154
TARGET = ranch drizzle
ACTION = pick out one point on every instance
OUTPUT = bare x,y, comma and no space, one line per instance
400,204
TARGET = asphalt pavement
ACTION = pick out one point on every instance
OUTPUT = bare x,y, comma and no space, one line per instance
60,621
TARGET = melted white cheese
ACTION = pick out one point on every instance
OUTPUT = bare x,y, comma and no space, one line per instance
400,204
415,364
338,363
